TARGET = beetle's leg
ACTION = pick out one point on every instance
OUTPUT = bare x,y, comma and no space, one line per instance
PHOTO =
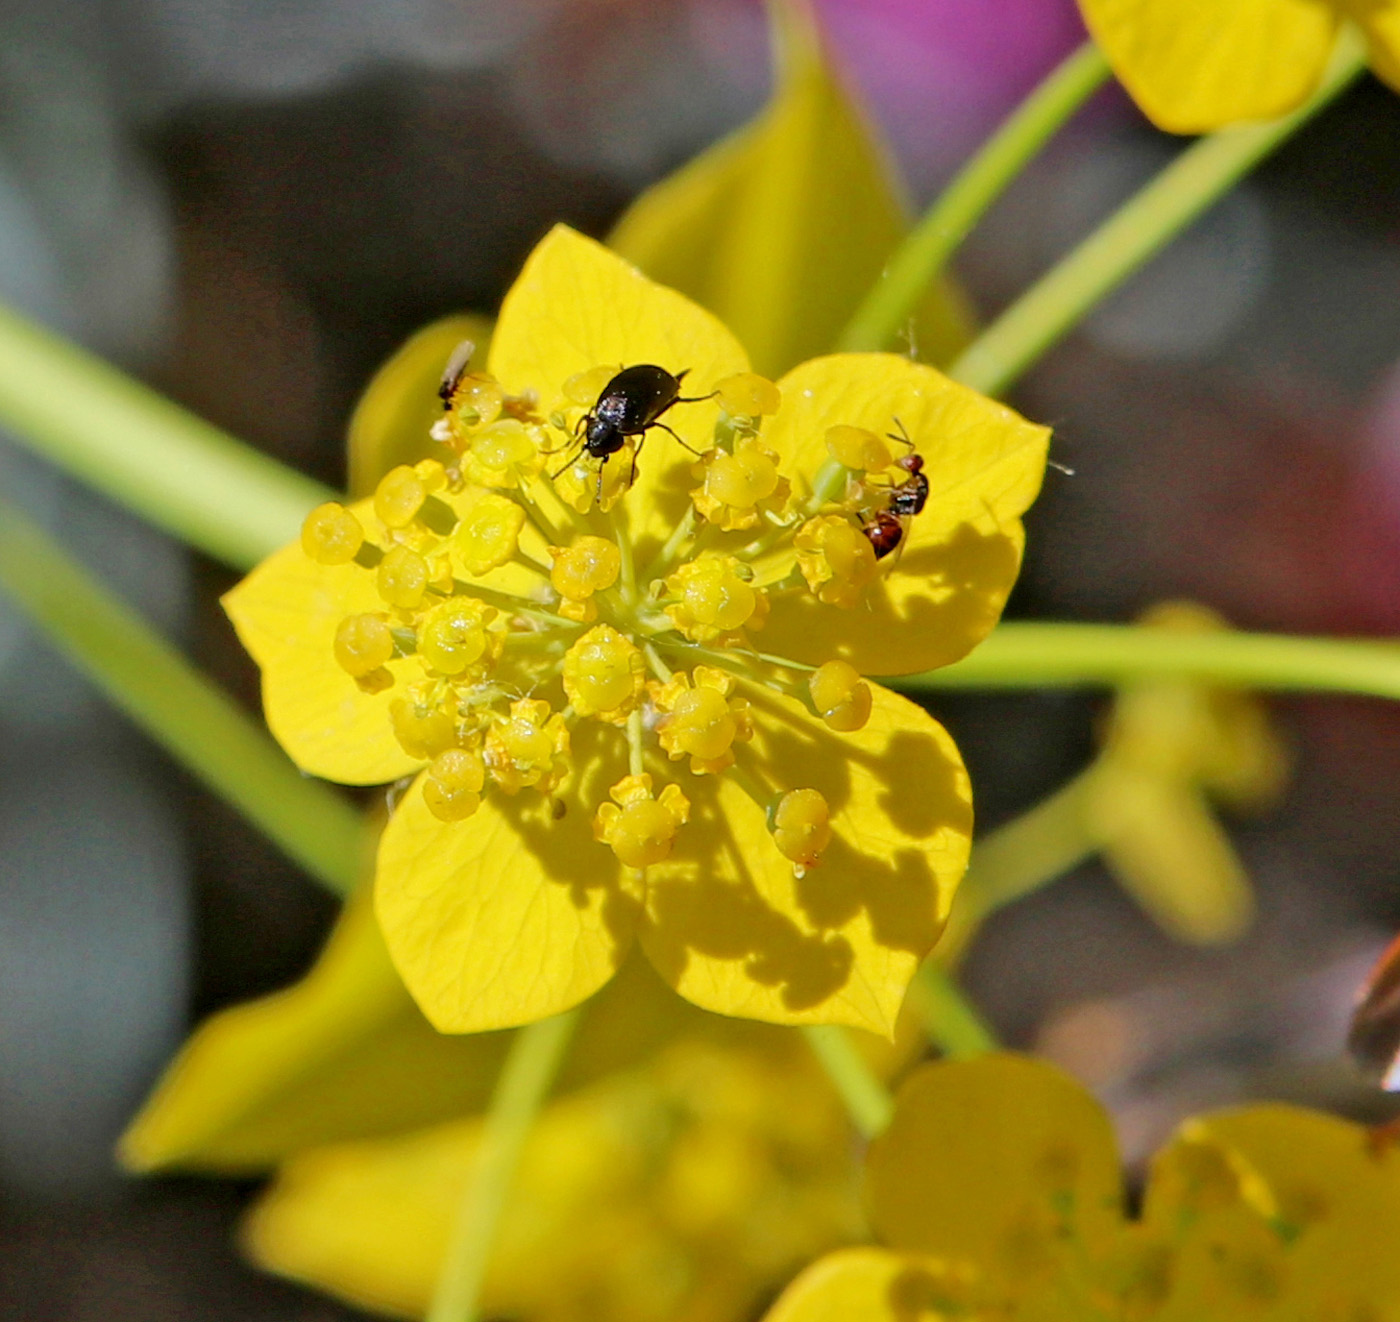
697,453
567,465
637,454
578,428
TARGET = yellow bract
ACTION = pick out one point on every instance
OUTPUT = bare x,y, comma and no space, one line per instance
512,626
997,1189
1197,65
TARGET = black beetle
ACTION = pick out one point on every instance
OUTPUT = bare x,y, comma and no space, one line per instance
630,405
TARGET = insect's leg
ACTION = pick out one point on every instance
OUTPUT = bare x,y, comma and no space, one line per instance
637,454
578,431
569,464
697,453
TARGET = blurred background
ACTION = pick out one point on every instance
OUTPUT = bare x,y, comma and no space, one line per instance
250,204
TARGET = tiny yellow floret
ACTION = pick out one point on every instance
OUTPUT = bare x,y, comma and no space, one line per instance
453,635
841,697
419,723
452,788
528,747
835,558
332,535
604,675
714,597
590,565
399,496
637,827
739,484
801,828
477,400
701,720
488,534
858,448
502,454
403,578
748,395
363,643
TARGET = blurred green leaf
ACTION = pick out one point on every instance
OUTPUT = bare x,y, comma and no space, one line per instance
780,229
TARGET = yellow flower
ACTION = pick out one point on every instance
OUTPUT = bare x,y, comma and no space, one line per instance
1171,748
498,903
998,1192
1197,65
681,1192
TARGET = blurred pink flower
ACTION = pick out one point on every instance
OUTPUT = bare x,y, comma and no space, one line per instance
940,75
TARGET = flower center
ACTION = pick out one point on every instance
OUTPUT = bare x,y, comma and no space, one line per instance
513,604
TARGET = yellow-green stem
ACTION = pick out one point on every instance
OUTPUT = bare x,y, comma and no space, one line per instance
119,436
1028,852
180,709
924,253
868,1101
526,1077
1136,232
949,1018
1023,655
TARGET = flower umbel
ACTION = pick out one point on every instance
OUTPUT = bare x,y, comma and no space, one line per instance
547,638
998,1190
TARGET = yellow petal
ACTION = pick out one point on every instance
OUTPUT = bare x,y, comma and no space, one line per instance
875,1285
506,917
342,1053
390,423
782,228
1197,65
577,306
286,613
1001,1160
345,1054
1169,853
683,1191
984,463
1380,21
731,929
1336,1188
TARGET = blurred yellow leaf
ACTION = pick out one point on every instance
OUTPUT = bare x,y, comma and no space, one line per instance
391,421
681,1192
781,229
345,1054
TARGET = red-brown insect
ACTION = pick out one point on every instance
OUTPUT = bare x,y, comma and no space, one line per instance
886,527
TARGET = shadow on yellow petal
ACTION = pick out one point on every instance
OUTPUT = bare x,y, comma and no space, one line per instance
731,928
1197,65
681,1192
392,419
286,613
346,1054
509,916
1003,1161
577,306
875,1285
945,591
781,229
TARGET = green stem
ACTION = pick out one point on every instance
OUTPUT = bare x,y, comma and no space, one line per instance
923,254
1016,859
171,467
867,1099
195,722
950,1020
1018,656
534,1059
1135,233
